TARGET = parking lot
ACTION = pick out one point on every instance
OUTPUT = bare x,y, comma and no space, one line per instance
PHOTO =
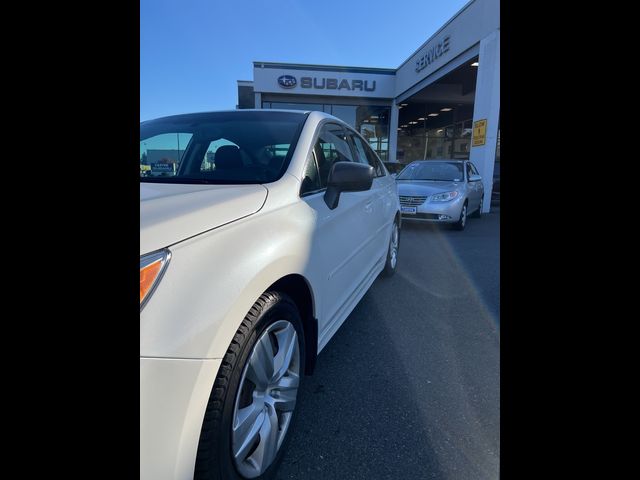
409,387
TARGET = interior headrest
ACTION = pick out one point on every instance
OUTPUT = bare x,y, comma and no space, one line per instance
228,157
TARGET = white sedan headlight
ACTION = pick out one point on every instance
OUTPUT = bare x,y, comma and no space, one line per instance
443,197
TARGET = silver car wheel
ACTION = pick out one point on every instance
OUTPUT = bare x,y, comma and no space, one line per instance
266,399
393,246
463,215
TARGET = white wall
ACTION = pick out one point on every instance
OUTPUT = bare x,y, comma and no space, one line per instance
476,20
487,106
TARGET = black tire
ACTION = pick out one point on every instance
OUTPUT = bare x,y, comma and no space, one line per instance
462,221
478,213
214,459
392,264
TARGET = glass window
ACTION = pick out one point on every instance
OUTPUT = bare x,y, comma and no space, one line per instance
331,147
208,162
219,148
361,156
378,165
474,170
294,106
437,138
461,149
160,155
432,170
311,178
333,142
346,113
372,122
448,131
366,154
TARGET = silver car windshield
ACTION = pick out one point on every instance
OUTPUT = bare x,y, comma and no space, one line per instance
433,171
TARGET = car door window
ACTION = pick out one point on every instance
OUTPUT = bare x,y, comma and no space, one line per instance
365,155
469,172
311,182
375,161
330,148
474,169
361,155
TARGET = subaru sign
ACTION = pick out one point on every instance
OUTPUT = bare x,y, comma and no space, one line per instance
287,81
302,81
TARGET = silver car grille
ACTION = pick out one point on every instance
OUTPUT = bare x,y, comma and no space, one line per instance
407,201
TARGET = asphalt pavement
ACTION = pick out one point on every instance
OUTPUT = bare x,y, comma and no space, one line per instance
409,387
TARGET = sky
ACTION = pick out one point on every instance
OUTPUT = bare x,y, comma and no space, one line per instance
192,52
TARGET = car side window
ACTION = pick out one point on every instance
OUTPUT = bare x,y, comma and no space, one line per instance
376,162
474,169
311,177
469,171
361,156
331,147
365,155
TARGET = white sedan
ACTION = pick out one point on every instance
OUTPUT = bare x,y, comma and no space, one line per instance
255,246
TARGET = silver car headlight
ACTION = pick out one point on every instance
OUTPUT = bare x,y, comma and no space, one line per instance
443,197
152,267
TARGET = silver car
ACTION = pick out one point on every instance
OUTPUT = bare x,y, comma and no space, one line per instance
442,191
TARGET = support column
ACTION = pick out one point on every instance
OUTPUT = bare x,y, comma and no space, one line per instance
393,132
258,101
487,106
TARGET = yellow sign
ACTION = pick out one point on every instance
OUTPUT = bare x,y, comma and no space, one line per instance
479,133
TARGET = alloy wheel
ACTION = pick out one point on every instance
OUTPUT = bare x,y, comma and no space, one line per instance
393,246
266,399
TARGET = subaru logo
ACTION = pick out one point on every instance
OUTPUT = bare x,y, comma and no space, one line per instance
287,81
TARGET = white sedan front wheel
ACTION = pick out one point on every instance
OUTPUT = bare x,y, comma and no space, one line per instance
252,403
266,399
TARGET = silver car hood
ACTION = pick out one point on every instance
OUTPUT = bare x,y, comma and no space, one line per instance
426,188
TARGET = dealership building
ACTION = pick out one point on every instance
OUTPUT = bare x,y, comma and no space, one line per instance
441,102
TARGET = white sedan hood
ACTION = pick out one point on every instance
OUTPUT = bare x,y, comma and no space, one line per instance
170,213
